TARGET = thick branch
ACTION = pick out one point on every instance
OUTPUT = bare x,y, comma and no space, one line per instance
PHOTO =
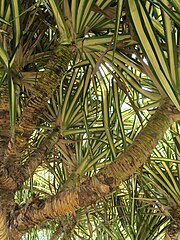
4,121
15,180
5,180
42,91
36,158
102,183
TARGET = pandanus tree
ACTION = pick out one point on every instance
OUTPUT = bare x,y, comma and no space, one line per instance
89,119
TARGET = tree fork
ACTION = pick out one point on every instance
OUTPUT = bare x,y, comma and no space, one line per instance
28,168
42,91
102,183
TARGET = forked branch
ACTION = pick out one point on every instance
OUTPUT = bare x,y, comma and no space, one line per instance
102,183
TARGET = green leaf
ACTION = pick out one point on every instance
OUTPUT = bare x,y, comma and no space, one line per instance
68,94
118,110
173,16
16,21
60,21
172,49
151,46
4,21
4,57
12,105
117,24
84,11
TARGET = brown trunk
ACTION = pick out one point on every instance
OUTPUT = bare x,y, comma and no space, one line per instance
10,175
174,228
72,198
4,234
6,182
28,168
42,91
4,122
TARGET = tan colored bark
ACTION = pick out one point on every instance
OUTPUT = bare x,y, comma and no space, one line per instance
4,234
5,181
4,121
28,168
72,198
174,227
10,176
42,91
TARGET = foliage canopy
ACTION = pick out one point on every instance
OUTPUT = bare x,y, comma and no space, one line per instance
79,81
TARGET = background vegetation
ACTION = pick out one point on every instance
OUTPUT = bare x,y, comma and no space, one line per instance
79,81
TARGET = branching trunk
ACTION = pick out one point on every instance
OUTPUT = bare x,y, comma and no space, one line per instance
42,91
28,168
72,198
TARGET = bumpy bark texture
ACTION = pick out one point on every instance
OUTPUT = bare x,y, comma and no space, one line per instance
12,173
4,234
10,176
28,168
42,91
101,184
174,227
4,122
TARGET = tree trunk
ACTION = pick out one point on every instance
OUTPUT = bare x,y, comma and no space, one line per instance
4,233
10,175
92,189
42,92
174,227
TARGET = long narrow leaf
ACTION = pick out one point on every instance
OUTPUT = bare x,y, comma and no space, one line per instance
62,26
4,57
12,105
152,48
172,51
16,21
117,24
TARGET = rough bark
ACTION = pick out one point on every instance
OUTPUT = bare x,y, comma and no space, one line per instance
42,91
102,183
174,227
4,233
28,168
4,121
10,176
6,182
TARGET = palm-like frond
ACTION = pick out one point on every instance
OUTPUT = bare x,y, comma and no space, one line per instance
124,60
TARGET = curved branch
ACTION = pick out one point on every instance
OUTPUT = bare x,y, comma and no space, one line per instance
14,181
102,183
54,72
42,91
28,168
